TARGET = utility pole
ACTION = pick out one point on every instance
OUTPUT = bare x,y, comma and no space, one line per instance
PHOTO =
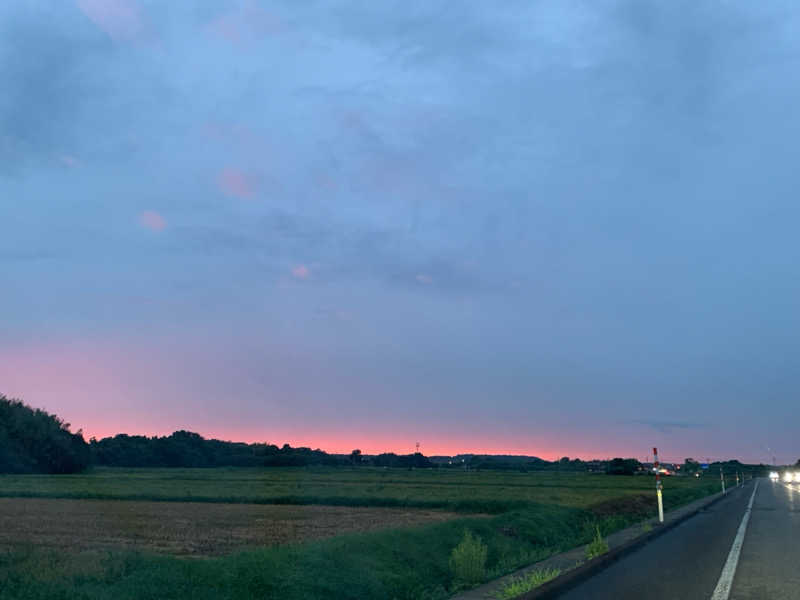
658,487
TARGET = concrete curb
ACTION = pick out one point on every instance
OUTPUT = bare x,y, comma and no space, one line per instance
575,575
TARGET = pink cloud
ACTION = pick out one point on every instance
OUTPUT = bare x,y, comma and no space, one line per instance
326,182
246,24
152,220
69,161
234,182
227,27
120,19
425,279
301,272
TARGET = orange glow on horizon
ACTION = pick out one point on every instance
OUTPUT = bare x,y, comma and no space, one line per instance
106,388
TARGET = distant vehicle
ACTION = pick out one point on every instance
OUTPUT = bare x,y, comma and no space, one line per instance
790,476
773,475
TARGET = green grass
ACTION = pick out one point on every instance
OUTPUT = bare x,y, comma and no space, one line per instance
522,585
487,492
535,516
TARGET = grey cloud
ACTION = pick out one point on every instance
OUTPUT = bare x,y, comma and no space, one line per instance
669,426
45,81
337,252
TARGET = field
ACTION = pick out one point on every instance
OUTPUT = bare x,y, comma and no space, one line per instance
186,528
296,533
484,492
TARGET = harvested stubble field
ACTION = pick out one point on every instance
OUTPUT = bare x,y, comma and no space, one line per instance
333,551
186,528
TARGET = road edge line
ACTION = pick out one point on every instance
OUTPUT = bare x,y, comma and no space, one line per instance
725,583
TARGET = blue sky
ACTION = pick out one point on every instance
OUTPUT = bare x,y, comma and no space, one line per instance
533,227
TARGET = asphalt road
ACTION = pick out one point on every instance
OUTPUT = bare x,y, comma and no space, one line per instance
687,562
769,565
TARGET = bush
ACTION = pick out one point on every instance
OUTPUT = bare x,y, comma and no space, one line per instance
597,546
468,560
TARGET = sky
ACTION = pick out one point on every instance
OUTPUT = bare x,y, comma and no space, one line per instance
551,228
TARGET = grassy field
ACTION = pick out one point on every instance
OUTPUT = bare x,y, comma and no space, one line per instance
534,515
486,492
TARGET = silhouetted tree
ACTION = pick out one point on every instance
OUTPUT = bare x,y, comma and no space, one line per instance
623,466
690,466
390,459
34,441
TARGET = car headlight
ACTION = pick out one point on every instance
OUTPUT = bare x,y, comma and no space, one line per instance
787,477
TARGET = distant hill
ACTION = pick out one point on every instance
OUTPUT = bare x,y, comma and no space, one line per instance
507,458
34,441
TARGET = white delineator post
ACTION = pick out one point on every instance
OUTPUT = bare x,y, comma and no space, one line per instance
658,487
722,479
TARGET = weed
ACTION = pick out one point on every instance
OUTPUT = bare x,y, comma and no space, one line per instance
522,585
597,546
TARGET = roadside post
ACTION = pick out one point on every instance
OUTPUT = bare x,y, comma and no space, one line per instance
722,479
658,487
737,478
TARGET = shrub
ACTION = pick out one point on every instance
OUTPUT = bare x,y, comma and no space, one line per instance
522,585
468,560
597,546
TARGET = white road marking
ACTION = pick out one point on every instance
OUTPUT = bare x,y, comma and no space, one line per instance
723,589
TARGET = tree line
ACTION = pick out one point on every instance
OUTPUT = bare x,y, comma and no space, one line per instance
35,441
